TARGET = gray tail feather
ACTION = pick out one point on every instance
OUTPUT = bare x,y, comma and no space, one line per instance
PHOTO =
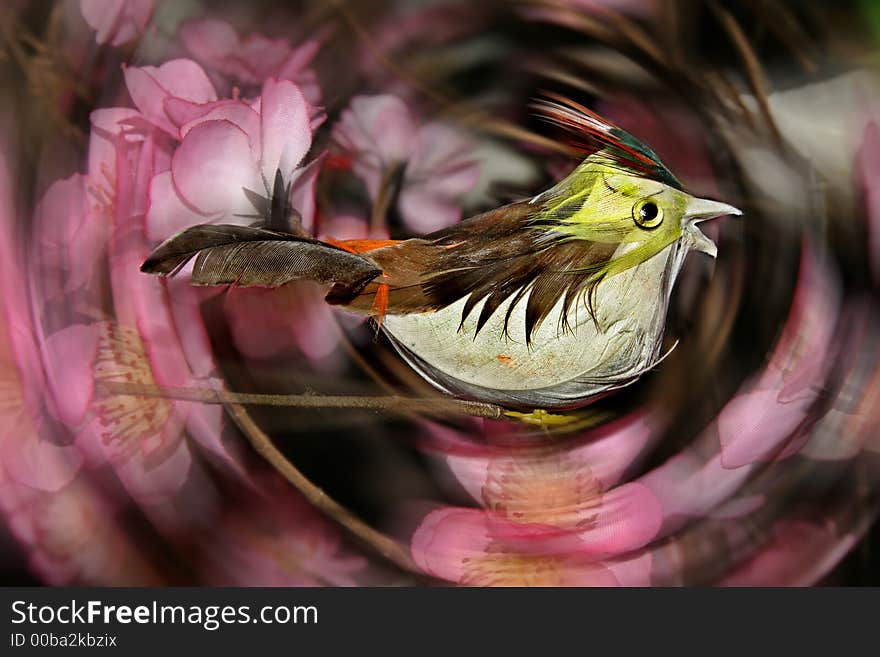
248,256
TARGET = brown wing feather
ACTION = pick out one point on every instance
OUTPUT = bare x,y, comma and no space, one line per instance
249,256
495,256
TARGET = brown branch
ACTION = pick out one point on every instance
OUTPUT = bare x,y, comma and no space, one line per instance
780,20
384,545
751,63
389,403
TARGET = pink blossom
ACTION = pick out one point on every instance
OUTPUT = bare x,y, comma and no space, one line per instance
117,21
558,508
266,322
228,156
141,437
178,85
233,148
28,457
71,536
74,216
690,485
565,519
434,163
760,422
561,487
246,63
48,506
466,547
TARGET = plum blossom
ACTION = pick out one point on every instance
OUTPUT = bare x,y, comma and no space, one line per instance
71,536
246,62
260,320
550,486
141,437
47,504
550,515
27,458
224,171
760,422
167,95
75,214
117,21
229,156
433,166
462,546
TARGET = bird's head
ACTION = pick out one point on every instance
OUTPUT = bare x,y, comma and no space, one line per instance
621,194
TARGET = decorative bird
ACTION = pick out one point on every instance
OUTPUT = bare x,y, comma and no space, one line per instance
539,304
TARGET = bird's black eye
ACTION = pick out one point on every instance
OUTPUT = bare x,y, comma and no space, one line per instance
647,215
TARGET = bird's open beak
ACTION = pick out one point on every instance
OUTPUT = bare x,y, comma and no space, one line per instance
701,209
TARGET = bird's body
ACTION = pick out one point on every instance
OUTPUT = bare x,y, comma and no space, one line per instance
560,367
543,303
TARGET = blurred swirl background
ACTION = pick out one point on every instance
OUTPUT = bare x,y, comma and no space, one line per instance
749,456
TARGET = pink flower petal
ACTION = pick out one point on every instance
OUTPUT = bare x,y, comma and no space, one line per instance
37,463
628,517
424,211
753,426
446,538
441,147
687,486
72,236
68,357
286,135
459,545
212,166
209,40
107,124
297,60
155,483
632,570
117,21
379,130
149,88
302,192
167,214
236,112
265,323
261,57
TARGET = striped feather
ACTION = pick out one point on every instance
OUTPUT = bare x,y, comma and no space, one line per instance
593,135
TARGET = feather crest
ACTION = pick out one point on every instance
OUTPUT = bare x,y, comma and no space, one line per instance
594,135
